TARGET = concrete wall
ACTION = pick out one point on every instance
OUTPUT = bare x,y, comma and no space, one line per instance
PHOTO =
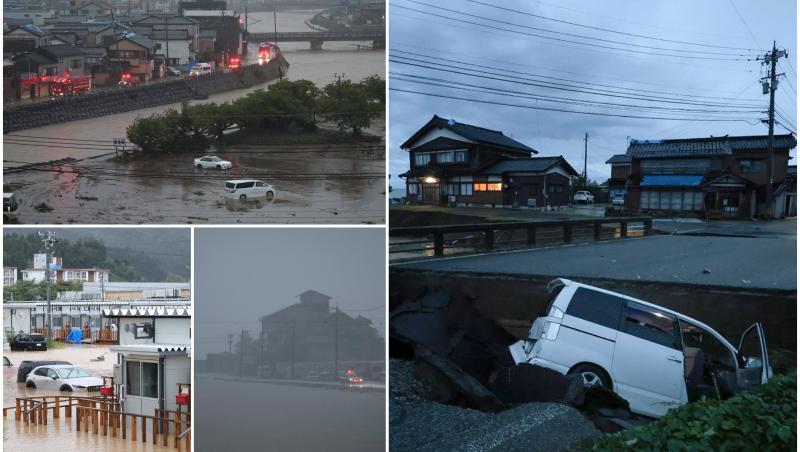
516,302
114,101
173,330
177,369
20,320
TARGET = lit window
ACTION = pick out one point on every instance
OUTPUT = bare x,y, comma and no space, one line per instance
496,186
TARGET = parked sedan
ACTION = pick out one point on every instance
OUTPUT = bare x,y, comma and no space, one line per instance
173,71
618,200
212,161
26,342
63,378
651,356
249,189
26,367
584,197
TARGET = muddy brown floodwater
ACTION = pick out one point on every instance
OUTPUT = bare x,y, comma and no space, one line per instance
171,190
60,434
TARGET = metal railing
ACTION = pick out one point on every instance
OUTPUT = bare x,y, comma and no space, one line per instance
565,232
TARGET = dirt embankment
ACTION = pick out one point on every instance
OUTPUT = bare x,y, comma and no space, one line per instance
399,218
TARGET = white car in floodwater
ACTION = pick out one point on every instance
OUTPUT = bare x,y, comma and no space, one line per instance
212,161
651,356
63,378
249,189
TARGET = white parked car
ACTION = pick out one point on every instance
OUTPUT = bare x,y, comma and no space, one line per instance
249,189
63,378
653,357
618,199
212,161
583,196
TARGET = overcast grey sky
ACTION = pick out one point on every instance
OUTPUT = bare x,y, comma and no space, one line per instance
243,274
710,22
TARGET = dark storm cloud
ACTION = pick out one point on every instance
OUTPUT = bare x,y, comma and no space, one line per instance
553,133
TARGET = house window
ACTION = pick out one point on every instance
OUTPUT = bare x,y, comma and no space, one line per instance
142,379
461,156
445,157
108,39
77,276
76,63
143,330
555,188
751,165
422,158
487,186
413,189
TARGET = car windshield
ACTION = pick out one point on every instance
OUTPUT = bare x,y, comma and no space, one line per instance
72,372
214,159
230,185
37,337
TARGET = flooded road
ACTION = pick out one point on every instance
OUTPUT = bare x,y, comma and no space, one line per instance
60,434
286,418
100,191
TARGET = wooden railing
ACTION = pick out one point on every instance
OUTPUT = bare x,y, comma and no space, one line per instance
104,416
531,228
94,335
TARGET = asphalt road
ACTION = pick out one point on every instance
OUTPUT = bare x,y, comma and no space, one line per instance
768,261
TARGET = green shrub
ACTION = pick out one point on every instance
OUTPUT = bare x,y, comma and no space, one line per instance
761,419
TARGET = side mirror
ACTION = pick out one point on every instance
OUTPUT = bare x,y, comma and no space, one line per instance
54,377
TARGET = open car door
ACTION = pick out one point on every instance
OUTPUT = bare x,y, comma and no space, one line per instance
754,366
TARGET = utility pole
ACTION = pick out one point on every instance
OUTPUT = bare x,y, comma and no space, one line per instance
275,21
771,59
585,154
336,344
241,353
48,240
294,330
260,352
230,350
166,39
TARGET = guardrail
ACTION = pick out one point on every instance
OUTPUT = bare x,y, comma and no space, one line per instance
532,228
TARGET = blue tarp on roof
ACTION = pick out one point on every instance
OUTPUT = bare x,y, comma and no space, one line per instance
671,181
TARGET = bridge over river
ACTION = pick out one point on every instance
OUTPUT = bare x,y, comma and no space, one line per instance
317,38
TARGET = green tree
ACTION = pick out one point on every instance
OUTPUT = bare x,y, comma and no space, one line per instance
32,291
375,87
348,106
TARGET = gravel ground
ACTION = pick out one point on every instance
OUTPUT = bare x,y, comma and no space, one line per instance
417,424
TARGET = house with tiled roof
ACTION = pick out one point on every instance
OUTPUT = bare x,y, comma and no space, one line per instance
22,38
462,164
724,176
134,55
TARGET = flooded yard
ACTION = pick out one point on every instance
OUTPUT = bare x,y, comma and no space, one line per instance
263,416
60,434
318,183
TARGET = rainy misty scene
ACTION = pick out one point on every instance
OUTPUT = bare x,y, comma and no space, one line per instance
290,350
96,339
592,225
201,112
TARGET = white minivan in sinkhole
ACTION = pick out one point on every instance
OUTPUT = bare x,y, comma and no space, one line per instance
651,356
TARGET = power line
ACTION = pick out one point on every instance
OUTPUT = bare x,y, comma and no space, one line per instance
606,29
693,96
693,57
745,23
505,104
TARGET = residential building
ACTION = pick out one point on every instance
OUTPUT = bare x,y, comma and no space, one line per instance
174,24
176,46
22,38
152,356
620,170
312,333
722,176
461,164
9,276
134,54
38,272
90,8
35,16
104,290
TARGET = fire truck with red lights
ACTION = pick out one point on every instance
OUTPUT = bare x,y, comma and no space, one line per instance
65,86
234,62
127,80
264,51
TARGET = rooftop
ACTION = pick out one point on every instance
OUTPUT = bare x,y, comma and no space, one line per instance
148,312
704,147
531,165
474,133
619,159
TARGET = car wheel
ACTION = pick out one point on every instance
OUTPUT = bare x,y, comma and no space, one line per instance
270,196
199,166
219,167
592,375
66,388
30,385
243,198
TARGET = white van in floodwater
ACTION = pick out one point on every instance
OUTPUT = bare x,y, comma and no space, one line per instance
651,356
249,189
